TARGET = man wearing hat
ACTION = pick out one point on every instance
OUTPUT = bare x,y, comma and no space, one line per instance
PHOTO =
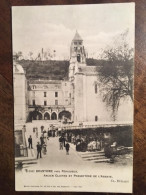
39,149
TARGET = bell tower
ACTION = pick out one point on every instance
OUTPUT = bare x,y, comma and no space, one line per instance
77,78
77,51
77,54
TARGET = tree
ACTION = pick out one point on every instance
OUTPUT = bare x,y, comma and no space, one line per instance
116,72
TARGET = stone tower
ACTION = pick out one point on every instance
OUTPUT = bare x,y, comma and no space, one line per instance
76,77
77,54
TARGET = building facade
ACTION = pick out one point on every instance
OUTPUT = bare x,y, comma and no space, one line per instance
49,100
20,94
77,99
87,101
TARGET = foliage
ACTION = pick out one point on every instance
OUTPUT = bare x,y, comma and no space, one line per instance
116,74
53,70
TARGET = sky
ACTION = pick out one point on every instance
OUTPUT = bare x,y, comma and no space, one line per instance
53,27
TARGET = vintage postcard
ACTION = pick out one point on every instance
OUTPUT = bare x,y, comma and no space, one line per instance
73,97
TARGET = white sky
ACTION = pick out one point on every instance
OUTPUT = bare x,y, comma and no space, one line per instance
53,27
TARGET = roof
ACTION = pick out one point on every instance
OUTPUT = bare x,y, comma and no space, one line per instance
77,37
44,81
88,69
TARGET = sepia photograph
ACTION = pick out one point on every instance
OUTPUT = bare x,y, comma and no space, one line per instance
73,76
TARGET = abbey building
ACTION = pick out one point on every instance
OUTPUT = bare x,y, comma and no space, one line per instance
77,99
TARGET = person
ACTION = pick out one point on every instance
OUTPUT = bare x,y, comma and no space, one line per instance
63,140
36,132
45,136
48,135
42,140
61,143
30,142
39,149
98,144
67,146
44,148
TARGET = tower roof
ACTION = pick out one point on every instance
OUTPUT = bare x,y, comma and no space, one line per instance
77,37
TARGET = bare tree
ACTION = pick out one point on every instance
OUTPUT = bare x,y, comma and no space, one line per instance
116,72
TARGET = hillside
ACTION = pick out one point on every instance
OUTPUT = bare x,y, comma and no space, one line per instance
53,70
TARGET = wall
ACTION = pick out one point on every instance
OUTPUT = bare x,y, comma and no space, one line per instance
89,104
94,104
78,98
19,98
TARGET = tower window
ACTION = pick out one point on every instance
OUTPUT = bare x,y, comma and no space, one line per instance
56,94
96,118
78,58
45,103
95,88
56,102
33,102
45,94
75,43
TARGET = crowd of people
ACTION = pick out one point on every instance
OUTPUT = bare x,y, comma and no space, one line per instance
63,143
83,141
42,143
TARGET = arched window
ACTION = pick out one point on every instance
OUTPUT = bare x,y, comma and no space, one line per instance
78,58
96,118
54,116
33,102
65,114
47,116
36,115
96,88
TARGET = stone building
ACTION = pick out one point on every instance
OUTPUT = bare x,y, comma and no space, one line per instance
49,100
20,109
77,99
20,94
86,89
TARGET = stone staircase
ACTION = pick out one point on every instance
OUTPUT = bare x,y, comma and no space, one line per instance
24,162
95,157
